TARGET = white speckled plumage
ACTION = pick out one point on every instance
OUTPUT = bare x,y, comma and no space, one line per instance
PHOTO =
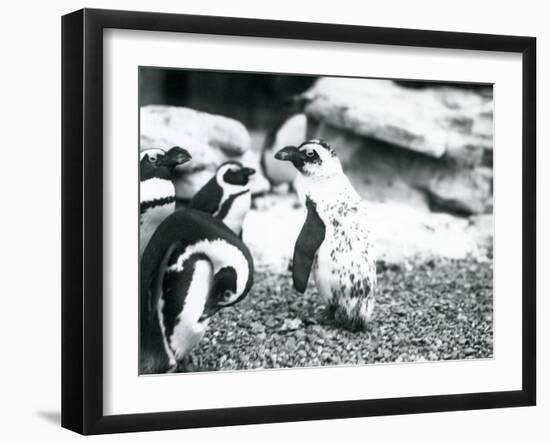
344,268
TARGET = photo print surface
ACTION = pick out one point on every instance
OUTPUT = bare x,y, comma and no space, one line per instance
292,221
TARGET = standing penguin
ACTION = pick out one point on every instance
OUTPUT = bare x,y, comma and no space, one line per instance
289,129
193,266
156,190
227,195
334,239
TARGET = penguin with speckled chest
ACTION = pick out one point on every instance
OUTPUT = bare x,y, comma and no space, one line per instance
227,195
335,241
156,191
193,266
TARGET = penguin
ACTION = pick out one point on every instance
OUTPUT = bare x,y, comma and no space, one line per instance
156,190
226,195
335,241
289,129
193,267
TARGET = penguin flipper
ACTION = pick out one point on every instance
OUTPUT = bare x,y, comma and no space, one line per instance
308,242
208,198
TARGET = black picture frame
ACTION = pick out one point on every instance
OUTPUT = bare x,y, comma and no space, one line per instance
82,218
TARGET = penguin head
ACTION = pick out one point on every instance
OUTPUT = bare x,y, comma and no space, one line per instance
313,158
223,292
233,176
160,164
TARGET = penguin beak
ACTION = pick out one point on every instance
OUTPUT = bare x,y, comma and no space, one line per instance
209,310
176,156
248,171
291,154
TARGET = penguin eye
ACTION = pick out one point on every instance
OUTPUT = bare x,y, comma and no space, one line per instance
310,153
153,158
227,294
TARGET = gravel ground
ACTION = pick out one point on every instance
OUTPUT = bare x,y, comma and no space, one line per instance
434,310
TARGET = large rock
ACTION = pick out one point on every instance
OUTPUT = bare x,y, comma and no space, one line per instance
437,121
468,191
208,137
428,147
211,140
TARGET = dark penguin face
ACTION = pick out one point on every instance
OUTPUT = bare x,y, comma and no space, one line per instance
311,158
223,292
233,173
156,163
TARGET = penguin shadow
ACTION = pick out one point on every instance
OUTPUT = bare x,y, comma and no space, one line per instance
313,314
52,417
192,364
328,318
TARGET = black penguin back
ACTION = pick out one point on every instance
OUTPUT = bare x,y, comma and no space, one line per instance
208,198
289,108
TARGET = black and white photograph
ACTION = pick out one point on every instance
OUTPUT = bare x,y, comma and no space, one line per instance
294,221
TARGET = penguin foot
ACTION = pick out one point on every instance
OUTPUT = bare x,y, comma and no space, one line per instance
281,189
189,364
172,369
342,318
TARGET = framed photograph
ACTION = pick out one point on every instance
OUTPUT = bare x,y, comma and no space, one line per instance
269,221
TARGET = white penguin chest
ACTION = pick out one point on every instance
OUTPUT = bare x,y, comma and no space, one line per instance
150,221
236,214
154,190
